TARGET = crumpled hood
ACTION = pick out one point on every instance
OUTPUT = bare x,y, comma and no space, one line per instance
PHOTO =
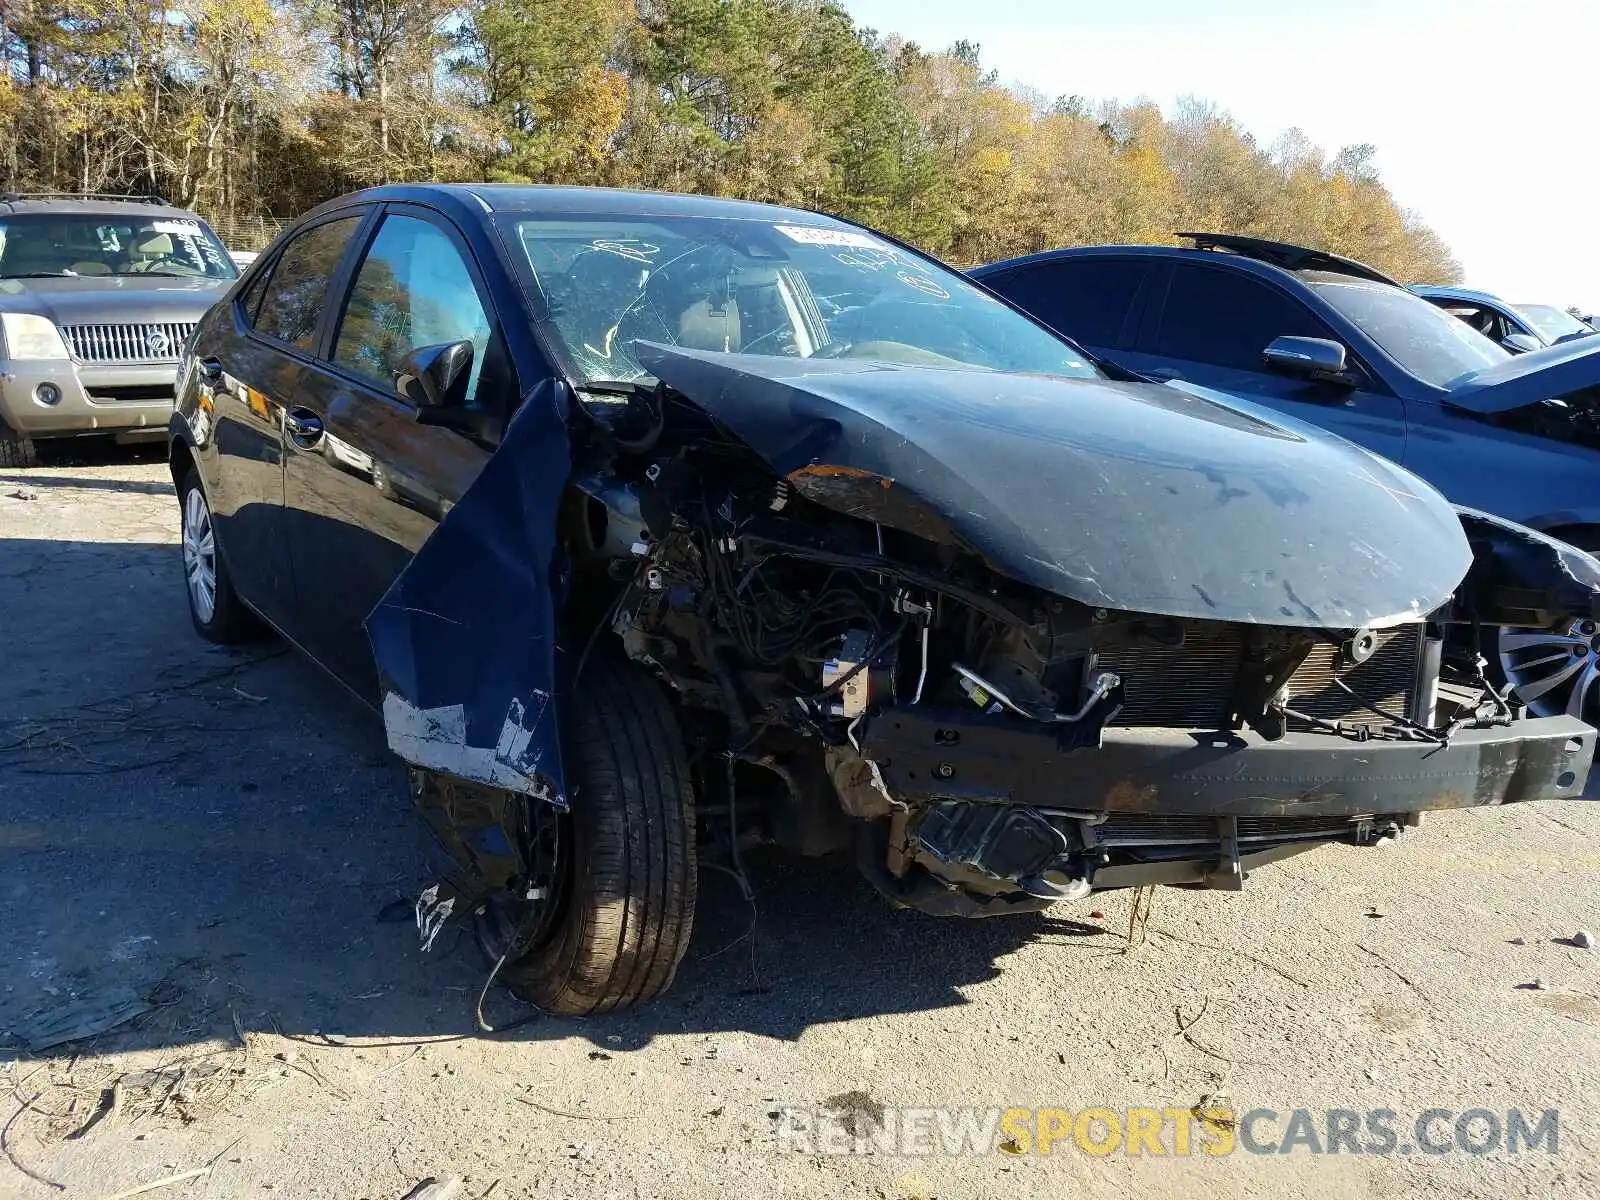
112,299
1529,378
1127,496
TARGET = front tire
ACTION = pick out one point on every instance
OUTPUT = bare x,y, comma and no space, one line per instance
629,878
215,608
16,450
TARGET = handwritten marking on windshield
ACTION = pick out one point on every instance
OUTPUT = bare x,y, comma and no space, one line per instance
631,249
882,258
924,284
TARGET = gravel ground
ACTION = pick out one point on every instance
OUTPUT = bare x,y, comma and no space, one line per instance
224,835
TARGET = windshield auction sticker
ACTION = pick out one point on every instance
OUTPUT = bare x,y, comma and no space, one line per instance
812,235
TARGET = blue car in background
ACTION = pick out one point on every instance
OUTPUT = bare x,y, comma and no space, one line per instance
1518,327
1338,344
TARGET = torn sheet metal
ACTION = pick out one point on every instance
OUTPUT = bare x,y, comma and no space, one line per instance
465,638
1116,495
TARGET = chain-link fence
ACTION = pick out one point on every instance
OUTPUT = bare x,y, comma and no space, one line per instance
246,233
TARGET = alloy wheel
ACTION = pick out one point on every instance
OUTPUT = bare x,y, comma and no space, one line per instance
1554,671
199,555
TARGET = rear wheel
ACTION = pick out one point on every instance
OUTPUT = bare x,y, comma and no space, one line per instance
214,607
614,906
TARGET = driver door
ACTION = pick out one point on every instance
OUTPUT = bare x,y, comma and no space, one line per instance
1211,326
366,482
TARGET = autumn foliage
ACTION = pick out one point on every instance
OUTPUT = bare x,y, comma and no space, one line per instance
252,109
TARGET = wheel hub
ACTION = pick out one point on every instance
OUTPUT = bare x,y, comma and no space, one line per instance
512,923
1554,671
199,555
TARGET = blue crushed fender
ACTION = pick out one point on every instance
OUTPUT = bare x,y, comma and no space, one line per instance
465,637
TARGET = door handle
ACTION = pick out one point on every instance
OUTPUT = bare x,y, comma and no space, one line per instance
304,426
210,369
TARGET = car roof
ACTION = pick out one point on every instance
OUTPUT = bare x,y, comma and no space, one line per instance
20,203
598,201
1263,256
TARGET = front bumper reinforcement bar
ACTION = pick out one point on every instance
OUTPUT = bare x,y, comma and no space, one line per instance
927,754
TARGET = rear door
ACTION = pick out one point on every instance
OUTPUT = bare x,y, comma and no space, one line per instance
256,358
1210,326
1094,300
366,482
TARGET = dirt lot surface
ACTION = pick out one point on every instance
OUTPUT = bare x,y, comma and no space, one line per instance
221,840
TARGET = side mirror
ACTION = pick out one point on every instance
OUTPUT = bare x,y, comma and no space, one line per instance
435,376
1521,343
1308,357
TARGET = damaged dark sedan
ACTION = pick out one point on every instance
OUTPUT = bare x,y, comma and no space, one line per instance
657,526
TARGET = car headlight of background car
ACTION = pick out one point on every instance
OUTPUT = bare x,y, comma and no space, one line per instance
28,336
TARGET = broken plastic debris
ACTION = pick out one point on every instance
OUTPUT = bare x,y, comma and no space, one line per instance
83,1018
432,913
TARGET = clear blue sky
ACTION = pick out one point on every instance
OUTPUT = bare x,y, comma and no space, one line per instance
1486,114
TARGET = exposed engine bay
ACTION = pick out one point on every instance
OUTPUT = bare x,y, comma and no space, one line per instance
863,681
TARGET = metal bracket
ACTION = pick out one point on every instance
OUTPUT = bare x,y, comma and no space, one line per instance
1262,681
1228,874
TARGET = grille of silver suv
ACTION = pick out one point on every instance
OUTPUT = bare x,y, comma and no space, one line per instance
145,343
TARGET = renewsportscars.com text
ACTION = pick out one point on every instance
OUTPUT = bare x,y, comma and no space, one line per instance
1165,1131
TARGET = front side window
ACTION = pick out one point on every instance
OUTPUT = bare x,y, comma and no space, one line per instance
412,290
89,245
1227,318
737,285
1426,341
297,292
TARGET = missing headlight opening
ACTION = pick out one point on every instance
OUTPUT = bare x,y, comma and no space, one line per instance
896,618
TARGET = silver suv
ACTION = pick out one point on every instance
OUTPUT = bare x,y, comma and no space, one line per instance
97,295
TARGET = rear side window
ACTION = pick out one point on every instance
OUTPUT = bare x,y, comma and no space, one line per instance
1227,318
294,298
1089,300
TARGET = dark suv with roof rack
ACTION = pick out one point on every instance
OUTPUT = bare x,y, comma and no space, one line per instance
97,295
1338,344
